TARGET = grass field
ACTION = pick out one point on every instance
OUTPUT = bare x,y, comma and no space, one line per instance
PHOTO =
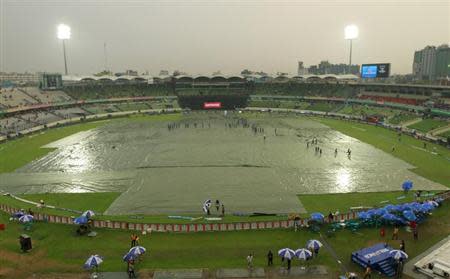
322,107
401,118
367,110
445,135
427,125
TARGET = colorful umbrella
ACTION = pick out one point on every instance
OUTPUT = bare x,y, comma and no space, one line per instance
303,254
286,253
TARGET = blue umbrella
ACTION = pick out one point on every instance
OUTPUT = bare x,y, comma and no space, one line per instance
371,212
303,254
88,214
137,250
80,220
317,216
381,212
18,214
409,215
415,206
398,254
407,185
389,217
433,203
93,261
129,256
391,207
313,244
364,215
426,207
286,253
26,218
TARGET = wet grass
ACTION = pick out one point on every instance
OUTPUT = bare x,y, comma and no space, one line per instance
427,125
98,202
65,252
432,163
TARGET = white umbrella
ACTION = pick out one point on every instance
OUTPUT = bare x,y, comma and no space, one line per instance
313,244
26,218
88,214
93,261
137,250
398,254
286,253
303,254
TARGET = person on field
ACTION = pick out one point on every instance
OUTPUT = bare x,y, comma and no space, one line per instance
130,269
223,210
134,239
416,233
217,205
250,261
395,233
270,258
402,246
368,272
330,217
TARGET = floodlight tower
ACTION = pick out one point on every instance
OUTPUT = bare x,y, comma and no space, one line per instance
351,32
64,34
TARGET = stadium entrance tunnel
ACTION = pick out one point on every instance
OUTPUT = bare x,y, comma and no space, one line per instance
226,101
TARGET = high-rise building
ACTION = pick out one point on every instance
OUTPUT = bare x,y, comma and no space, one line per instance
301,70
442,69
424,64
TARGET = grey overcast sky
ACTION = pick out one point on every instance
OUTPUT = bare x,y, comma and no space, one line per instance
202,36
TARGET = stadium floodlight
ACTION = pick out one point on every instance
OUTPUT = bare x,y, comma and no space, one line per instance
64,34
351,32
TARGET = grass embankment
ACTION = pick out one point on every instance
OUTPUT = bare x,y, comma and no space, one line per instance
402,118
427,125
367,110
57,249
434,166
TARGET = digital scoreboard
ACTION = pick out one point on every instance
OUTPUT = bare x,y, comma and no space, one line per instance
375,70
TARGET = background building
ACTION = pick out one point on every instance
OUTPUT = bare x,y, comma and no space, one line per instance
19,78
327,68
301,70
431,63
442,70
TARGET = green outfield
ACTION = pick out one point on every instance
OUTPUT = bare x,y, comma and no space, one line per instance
427,125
